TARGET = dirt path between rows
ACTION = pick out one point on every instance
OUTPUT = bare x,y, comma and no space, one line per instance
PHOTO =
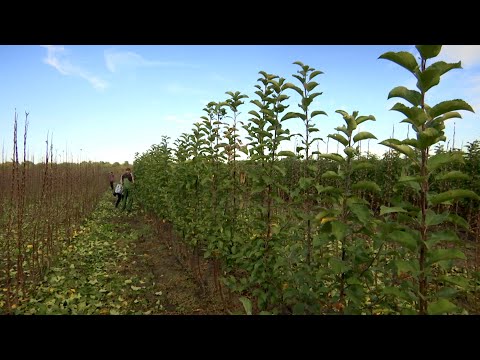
151,258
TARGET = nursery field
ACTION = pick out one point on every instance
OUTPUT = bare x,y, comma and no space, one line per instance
227,221
116,265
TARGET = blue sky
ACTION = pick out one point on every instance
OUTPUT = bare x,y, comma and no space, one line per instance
105,103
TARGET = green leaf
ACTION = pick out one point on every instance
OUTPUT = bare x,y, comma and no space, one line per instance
331,175
428,79
404,238
444,117
404,266
458,220
417,179
298,309
428,51
311,85
452,175
448,106
327,189
286,153
363,135
362,213
290,115
334,157
460,281
441,306
315,73
312,96
394,209
446,292
453,194
362,165
305,182
351,123
339,230
415,115
342,129
411,142
294,87
342,112
442,67
349,151
340,138
404,149
437,255
402,58
361,119
247,305
353,281
390,290
428,137
440,159
432,219
366,185
254,113
412,96
317,112
435,237
281,170
338,266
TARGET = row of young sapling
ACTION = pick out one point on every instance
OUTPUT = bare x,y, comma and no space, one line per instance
305,232
42,206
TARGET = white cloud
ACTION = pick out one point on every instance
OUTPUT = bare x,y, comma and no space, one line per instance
469,55
115,60
56,57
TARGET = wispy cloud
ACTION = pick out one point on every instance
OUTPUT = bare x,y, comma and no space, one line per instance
115,60
469,55
472,91
57,58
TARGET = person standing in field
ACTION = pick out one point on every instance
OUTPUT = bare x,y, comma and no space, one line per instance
111,178
127,181
118,192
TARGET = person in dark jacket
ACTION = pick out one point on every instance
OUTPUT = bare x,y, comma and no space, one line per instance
127,181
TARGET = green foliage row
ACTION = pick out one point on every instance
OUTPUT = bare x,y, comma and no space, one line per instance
303,232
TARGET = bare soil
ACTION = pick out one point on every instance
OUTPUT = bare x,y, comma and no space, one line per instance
182,293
